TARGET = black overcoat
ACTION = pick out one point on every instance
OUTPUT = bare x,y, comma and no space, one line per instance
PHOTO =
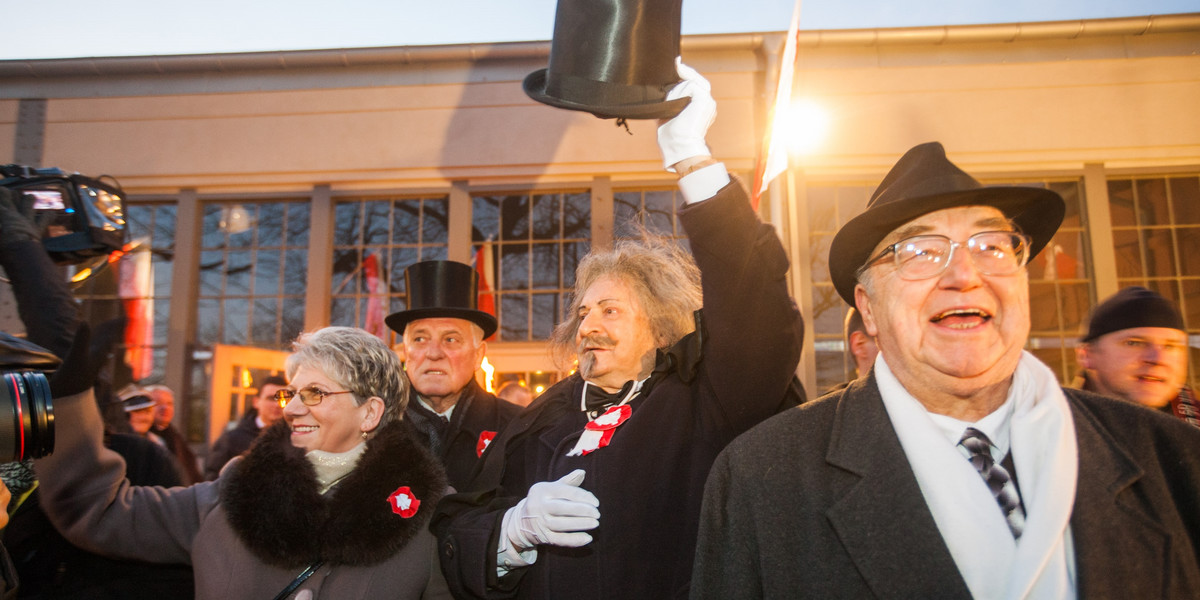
477,418
820,502
713,385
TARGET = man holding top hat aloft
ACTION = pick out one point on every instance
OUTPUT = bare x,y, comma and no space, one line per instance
444,333
593,492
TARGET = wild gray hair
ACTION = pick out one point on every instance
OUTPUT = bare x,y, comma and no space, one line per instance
663,277
357,360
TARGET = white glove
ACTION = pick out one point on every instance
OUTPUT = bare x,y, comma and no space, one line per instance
554,512
683,136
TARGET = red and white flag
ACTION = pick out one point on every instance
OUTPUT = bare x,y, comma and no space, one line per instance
135,284
485,265
773,158
374,320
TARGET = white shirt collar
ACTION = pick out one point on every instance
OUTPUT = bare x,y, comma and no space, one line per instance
449,411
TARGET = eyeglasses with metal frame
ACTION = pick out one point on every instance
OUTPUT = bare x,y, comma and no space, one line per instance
925,256
310,396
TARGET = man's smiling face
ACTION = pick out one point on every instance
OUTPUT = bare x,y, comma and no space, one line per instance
956,332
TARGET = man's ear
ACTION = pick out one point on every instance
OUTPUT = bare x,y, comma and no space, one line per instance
858,340
863,304
480,352
1082,356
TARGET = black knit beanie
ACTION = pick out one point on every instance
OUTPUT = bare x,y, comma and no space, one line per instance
1133,307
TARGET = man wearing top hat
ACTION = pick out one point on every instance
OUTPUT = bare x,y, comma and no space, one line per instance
593,492
958,467
444,335
1136,349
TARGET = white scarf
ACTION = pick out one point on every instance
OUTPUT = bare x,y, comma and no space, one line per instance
994,565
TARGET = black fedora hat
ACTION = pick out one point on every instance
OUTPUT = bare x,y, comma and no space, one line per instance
924,181
612,58
442,288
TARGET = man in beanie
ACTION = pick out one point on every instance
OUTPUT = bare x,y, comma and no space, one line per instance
1136,349
958,467
444,333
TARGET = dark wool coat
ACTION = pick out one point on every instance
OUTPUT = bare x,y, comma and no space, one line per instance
713,385
231,443
249,533
477,414
820,502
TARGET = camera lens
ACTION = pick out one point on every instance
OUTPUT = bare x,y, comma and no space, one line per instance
26,416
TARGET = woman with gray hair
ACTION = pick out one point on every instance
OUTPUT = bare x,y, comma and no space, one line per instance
331,502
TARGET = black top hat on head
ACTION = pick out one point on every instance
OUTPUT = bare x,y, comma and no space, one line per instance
612,58
442,288
924,181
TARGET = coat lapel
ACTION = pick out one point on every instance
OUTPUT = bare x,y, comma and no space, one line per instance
1119,543
882,519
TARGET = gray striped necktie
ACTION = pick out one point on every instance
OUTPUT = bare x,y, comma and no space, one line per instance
997,479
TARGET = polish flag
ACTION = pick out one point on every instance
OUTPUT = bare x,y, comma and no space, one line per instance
135,282
772,158
485,265
374,322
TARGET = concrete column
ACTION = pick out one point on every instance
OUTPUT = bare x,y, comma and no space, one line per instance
319,295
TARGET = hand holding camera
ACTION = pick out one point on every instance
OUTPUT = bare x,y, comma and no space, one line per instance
16,225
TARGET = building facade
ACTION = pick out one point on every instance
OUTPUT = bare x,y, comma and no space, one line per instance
271,193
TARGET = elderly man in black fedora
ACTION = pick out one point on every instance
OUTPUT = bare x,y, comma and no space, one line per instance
593,492
444,332
959,467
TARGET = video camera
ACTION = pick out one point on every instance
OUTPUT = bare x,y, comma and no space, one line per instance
26,413
80,217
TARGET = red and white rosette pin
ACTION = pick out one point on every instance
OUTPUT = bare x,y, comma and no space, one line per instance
599,431
404,502
485,440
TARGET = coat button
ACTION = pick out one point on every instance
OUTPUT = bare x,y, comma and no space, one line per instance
448,550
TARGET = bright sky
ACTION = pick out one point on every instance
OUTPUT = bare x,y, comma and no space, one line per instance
77,28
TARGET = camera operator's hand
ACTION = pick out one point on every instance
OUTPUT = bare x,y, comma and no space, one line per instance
15,225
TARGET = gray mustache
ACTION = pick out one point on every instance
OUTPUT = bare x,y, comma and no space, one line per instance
595,341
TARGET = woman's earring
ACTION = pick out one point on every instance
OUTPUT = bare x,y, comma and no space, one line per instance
364,435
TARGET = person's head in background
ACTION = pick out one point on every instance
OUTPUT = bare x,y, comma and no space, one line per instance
860,346
138,405
164,405
1135,348
515,392
268,408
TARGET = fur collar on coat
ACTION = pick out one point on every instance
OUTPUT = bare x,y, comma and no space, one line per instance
273,506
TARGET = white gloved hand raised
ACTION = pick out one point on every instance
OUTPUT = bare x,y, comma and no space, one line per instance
683,136
554,512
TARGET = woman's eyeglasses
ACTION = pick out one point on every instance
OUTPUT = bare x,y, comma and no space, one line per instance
310,396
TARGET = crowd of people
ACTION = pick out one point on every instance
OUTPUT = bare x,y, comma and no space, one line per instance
680,458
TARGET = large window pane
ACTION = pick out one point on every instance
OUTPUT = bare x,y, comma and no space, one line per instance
536,242
377,239
253,258
1185,200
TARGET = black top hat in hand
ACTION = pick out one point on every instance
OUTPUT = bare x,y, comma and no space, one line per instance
442,288
612,58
